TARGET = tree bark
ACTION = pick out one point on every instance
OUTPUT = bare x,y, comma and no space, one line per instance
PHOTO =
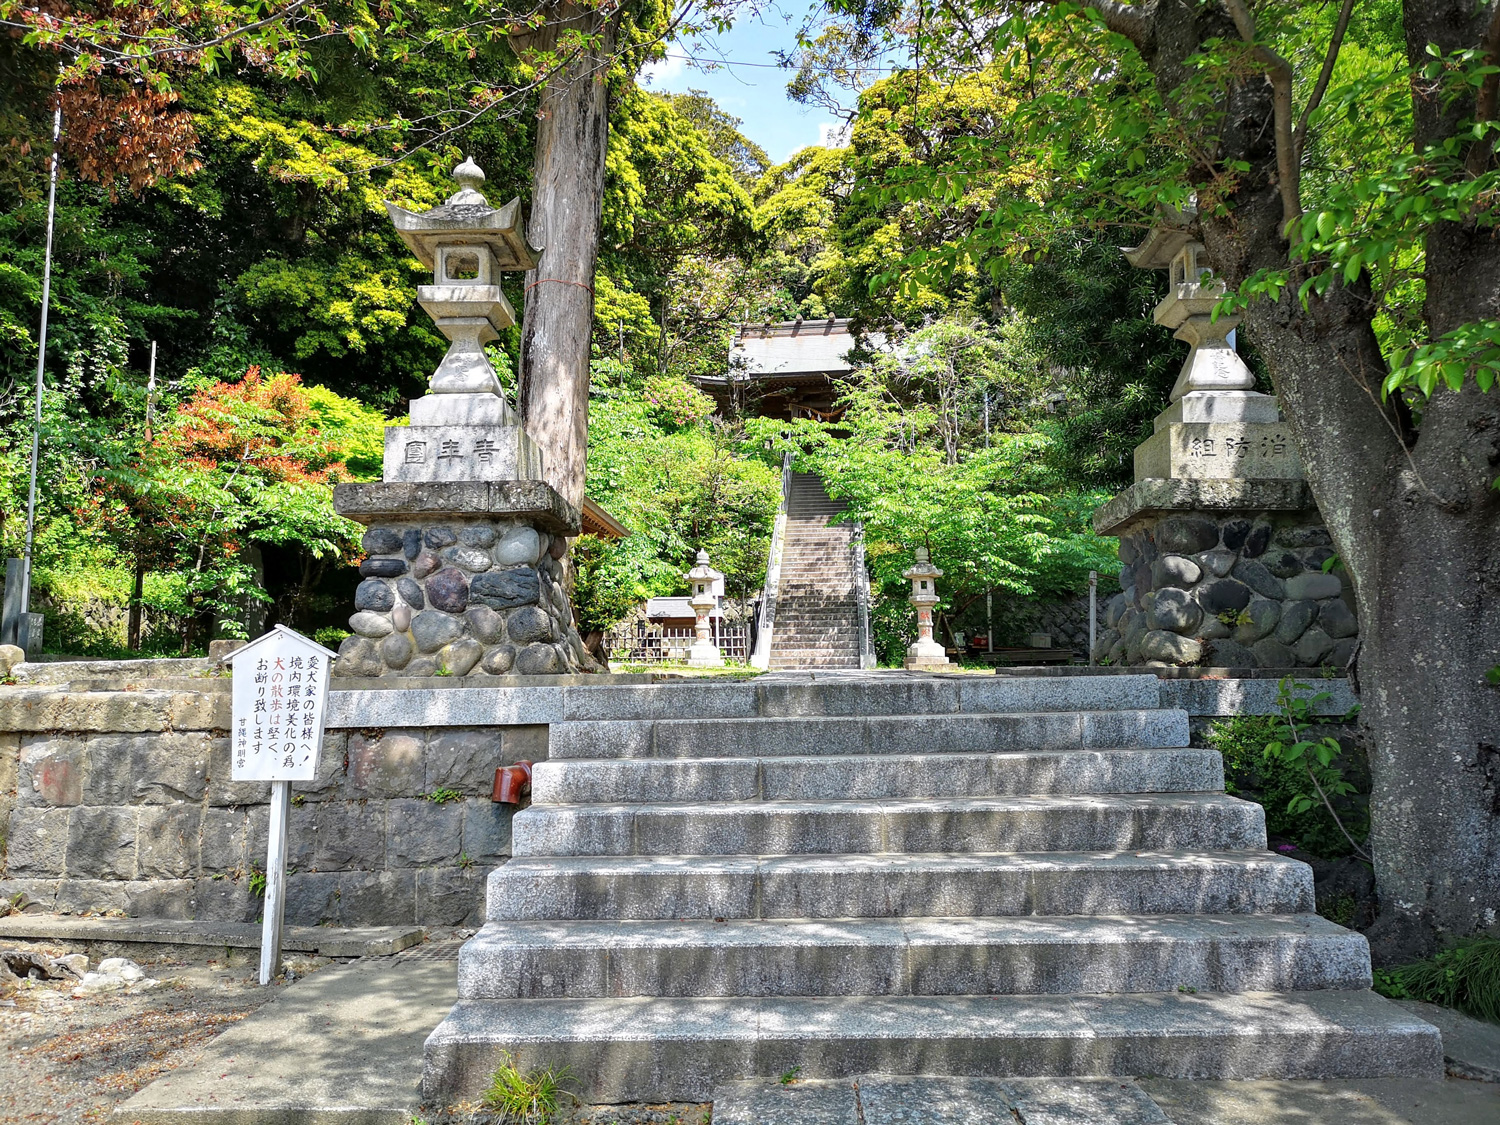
1412,514
566,200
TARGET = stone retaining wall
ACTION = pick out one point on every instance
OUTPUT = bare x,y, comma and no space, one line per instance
121,801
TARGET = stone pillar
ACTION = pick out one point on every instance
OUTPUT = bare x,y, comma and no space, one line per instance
703,579
924,654
462,573
1222,548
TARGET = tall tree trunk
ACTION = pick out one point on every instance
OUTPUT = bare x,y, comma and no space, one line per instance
1412,513
566,201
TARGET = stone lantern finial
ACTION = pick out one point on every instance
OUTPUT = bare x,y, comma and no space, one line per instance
706,584
925,654
469,176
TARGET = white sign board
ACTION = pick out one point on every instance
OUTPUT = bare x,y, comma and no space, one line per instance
280,692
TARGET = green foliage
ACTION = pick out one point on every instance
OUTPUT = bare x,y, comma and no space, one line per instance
257,880
525,1097
444,796
1465,976
1318,757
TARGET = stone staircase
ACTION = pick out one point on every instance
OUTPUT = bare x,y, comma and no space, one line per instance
817,608
883,873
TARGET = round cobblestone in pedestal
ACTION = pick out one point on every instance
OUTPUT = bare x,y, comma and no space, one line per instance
1271,653
499,660
1217,562
520,546
1114,609
358,656
504,589
1342,652
368,624
382,568
432,629
436,537
1253,573
471,559
1212,629
1283,564
374,594
1235,533
538,660
459,658
1171,648
411,592
1224,594
1175,610
558,547
424,564
380,541
477,536
1174,570
422,666
1313,585
1295,618
1335,618
448,589
1312,646
1257,620
1304,537
1230,654
401,617
487,625
396,650
411,543
528,624
1257,541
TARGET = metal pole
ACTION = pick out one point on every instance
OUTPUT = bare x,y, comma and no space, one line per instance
989,619
41,361
1093,612
151,391
275,901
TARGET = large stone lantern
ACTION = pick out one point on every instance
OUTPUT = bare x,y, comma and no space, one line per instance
706,584
462,574
924,654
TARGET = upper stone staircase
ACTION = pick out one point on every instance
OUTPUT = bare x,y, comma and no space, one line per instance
817,608
896,874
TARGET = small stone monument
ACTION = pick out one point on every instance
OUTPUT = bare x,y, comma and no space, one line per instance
1221,545
924,654
462,574
707,584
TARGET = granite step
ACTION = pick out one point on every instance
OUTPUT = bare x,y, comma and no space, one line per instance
895,886
912,957
877,776
661,1049
805,735
1154,822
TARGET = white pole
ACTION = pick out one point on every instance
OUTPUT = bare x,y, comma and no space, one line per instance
41,361
151,391
270,934
1093,612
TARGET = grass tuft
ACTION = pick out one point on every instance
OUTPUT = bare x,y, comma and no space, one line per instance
529,1098
1465,976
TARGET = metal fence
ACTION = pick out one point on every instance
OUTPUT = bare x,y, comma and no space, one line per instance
654,644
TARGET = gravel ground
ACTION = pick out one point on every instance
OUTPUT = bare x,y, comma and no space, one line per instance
69,1060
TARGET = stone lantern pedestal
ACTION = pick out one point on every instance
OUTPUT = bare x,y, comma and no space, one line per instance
924,654
706,584
462,574
1221,545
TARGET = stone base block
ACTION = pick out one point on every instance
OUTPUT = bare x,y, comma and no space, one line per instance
450,452
1218,450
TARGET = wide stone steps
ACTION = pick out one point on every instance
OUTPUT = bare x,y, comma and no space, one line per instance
876,776
1157,822
912,957
656,1049
877,734
532,888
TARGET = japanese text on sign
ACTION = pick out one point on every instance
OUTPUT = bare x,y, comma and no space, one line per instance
280,688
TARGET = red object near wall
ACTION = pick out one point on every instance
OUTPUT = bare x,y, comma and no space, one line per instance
512,783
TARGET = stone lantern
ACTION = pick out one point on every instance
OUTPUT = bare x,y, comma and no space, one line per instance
706,584
925,654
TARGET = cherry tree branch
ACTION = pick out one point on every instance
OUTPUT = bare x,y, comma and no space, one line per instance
1279,71
1299,137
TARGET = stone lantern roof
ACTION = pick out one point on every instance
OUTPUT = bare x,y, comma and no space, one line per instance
467,219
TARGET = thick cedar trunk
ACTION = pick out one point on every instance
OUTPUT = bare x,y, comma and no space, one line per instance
566,199
1413,517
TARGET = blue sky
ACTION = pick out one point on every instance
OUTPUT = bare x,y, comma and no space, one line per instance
754,94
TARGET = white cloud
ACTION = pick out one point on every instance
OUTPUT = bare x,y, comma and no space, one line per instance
833,134
662,71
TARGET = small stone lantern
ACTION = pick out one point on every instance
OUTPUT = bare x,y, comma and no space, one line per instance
706,583
925,654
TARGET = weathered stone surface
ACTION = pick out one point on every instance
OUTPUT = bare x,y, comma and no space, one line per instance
373,593
538,660
487,625
432,629
101,843
1263,614
449,896
487,828
328,780
423,833
1271,653
499,660
1230,654
1175,610
459,658
1312,646
1283,564
1254,574
358,656
388,765
1212,629
448,589
51,770
464,759
167,842
1336,619
349,835
1223,595
1313,585
424,564
127,769
370,624
382,568
436,537
36,843
529,624
396,650
1295,618
520,546
476,535
559,546
422,666
506,589
467,558
1114,609
411,543
1170,648
1257,541
224,840
1236,531
1341,653
1174,570
1302,535
401,617
380,541
411,592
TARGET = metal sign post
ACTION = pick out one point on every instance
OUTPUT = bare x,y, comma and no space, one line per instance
280,692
